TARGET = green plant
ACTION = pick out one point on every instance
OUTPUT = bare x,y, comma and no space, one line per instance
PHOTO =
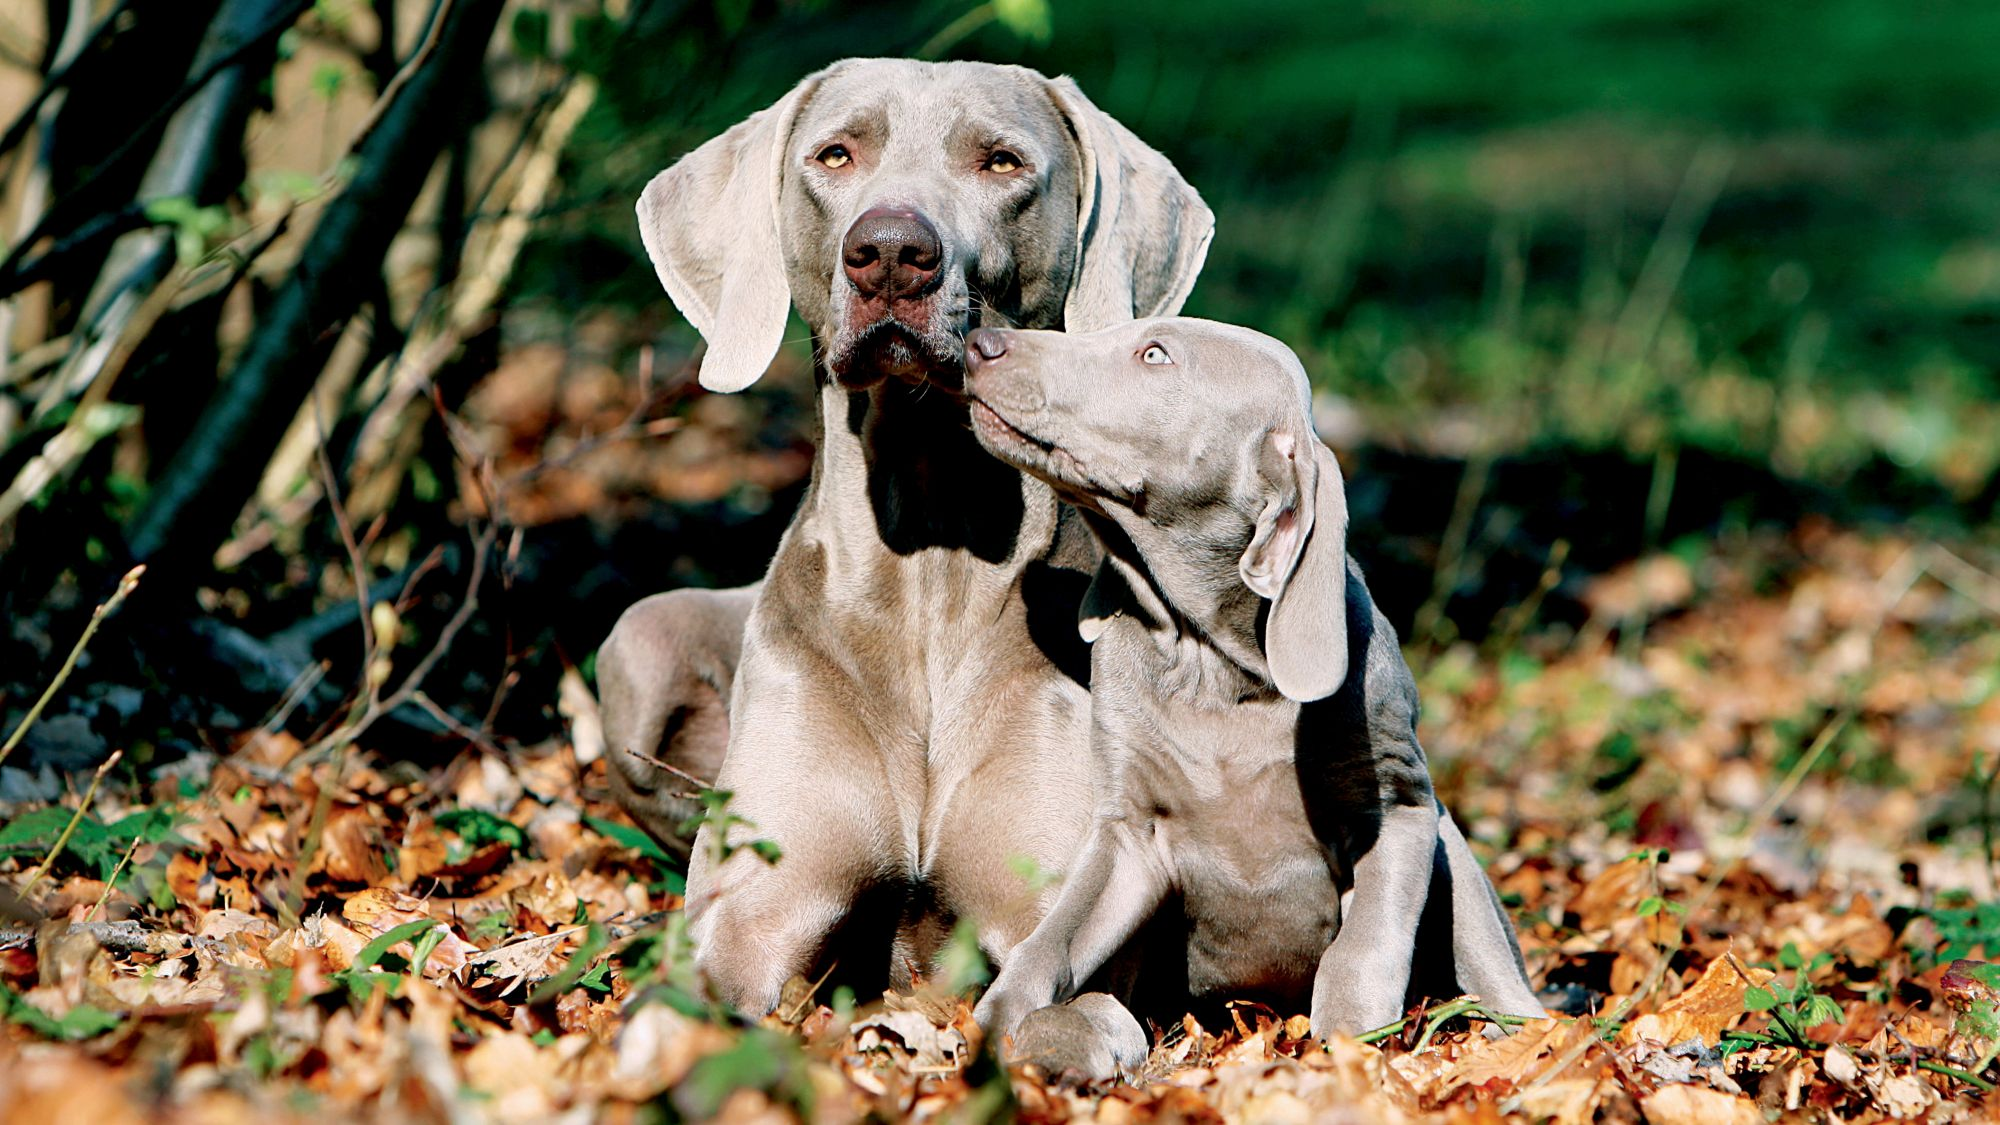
92,844
581,971
716,817
362,978
1965,930
83,1021
475,828
1798,1007
671,879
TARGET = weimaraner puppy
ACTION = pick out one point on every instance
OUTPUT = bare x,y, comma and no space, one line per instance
908,720
1253,721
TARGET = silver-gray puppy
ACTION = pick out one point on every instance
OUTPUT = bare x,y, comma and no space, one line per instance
1254,723
900,724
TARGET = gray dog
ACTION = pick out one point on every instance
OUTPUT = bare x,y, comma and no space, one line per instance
1254,724
901,721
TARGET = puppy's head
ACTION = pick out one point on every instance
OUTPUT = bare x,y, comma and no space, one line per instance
1196,438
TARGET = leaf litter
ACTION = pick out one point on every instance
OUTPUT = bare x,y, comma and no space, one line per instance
490,939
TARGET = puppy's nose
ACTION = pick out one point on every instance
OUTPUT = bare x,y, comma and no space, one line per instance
984,345
891,252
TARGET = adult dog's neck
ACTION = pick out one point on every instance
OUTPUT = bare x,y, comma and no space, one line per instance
899,471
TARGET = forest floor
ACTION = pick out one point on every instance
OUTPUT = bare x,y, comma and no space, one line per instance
1741,816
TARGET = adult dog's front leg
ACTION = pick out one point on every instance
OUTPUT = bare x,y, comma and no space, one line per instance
805,775
1112,889
1365,974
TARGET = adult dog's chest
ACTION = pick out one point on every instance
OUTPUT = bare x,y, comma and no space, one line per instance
1218,791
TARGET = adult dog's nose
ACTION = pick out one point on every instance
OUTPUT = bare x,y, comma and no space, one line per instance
891,252
984,345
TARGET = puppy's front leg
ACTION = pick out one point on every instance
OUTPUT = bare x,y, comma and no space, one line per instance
1115,885
1486,953
1365,974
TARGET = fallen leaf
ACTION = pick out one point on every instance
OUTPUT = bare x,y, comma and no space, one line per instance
1702,1012
1693,1105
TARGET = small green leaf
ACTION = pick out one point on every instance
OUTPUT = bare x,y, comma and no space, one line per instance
1651,905
1822,1010
567,977
1031,872
327,79
962,964
477,828
375,950
767,850
1790,957
626,836
760,1060
83,1021
426,945
1759,999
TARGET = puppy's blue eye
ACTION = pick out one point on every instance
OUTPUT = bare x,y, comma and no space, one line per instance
1155,355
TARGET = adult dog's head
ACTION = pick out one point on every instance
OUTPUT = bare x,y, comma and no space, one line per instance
899,204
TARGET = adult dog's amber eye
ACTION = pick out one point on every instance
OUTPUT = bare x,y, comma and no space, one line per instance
1155,355
834,156
1003,162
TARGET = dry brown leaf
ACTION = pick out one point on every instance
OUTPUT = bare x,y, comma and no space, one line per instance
1515,1058
350,848
1572,1101
1613,895
1696,1105
378,910
1704,1011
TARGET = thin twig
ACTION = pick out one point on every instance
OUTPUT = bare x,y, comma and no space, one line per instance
439,13
1451,552
112,883
456,725
125,586
953,33
69,829
669,767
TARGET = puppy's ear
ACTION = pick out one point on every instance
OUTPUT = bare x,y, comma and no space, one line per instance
710,224
1142,231
1298,559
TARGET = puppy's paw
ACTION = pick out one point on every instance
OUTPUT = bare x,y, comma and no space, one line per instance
1117,1029
1090,1038
1352,1015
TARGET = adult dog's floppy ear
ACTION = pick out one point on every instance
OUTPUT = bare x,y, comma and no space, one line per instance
1298,559
1142,232
710,224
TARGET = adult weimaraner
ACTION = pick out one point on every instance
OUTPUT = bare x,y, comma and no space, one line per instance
902,723
1254,723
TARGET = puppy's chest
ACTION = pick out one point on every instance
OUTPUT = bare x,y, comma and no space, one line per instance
1220,794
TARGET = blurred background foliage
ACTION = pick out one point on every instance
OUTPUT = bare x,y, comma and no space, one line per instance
1576,281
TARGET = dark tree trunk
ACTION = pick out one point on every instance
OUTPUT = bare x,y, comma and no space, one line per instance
196,499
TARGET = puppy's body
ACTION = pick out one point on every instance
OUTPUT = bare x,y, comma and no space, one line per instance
1254,724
